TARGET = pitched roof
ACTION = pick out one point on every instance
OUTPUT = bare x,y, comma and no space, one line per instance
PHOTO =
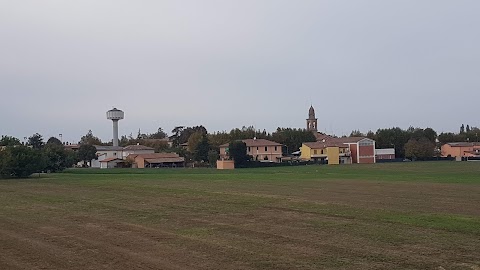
311,113
260,142
137,147
108,148
165,160
154,155
385,151
256,143
463,144
110,159
320,136
350,139
328,138
323,145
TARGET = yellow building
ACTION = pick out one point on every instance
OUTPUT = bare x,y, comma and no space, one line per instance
331,153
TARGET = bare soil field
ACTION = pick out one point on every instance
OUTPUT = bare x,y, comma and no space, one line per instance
309,217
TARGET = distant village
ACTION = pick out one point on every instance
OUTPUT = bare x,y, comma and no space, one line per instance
195,147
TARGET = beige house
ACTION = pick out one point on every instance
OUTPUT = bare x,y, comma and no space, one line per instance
259,149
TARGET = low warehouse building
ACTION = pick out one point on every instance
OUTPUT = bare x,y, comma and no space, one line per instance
109,163
156,160
386,153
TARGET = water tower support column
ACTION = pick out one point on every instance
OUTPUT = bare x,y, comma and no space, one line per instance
115,132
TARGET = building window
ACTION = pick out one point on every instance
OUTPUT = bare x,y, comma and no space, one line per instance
275,149
266,149
366,143
314,152
249,149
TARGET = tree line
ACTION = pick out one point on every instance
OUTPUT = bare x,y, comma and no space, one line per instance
418,143
19,159
23,159
194,143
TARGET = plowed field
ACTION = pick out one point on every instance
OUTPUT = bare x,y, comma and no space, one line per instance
385,216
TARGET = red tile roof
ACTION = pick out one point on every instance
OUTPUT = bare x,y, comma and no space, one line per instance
320,136
154,155
328,138
110,159
350,139
463,144
256,143
323,145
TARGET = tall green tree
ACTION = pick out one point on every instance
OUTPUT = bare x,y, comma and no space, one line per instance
218,138
160,134
36,141
393,137
356,133
448,137
53,140
421,148
238,152
430,134
20,161
248,133
194,140
371,135
57,158
202,149
213,156
177,132
86,153
9,141
90,139
292,138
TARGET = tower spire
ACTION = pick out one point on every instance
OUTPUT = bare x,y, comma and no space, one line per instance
312,120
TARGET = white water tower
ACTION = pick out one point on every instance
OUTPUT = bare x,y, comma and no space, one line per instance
115,115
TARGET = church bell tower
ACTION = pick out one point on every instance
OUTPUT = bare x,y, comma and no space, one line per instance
312,121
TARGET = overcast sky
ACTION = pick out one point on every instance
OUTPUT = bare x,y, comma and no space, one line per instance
225,64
